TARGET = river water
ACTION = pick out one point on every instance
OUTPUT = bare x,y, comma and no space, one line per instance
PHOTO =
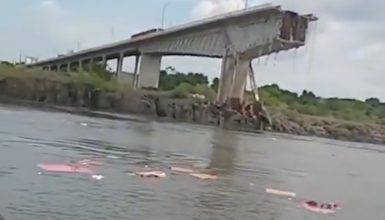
318,169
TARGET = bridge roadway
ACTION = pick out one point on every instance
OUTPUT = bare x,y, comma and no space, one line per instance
237,38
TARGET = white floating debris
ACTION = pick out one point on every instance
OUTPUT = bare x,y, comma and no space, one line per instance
84,124
97,177
204,176
182,170
152,174
280,192
113,157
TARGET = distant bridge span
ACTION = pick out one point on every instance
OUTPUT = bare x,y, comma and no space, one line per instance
237,38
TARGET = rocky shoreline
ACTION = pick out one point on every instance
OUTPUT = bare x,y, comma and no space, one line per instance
84,99
305,125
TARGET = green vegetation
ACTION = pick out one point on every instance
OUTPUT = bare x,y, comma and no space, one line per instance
308,103
185,89
98,79
181,85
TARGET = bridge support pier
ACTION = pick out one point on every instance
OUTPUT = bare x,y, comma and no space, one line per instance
91,65
239,84
80,66
233,80
135,81
149,71
226,78
119,65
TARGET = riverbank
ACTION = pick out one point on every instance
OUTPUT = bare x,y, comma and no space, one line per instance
291,122
283,122
87,94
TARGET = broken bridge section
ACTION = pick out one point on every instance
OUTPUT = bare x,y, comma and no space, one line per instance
271,33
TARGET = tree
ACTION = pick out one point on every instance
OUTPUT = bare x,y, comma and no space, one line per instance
215,84
375,102
170,79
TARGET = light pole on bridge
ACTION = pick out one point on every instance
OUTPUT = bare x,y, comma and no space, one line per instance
164,12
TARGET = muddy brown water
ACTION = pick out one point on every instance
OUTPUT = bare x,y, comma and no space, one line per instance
347,173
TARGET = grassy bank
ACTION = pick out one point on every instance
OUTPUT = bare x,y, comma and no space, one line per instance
307,103
77,78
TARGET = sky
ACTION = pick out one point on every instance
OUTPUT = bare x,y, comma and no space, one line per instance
341,58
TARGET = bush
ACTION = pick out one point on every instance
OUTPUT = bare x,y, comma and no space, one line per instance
185,89
204,90
182,91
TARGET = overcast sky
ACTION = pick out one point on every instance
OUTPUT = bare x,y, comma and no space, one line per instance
342,57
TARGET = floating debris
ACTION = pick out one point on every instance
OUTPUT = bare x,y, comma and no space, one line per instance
113,157
280,192
322,208
152,174
65,168
97,177
131,174
87,162
181,170
204,176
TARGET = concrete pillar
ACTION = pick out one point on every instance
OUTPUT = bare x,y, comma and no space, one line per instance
104,61
90,65
241,73
119,65
233,80
149,71
80,69
68,68
135,81
226,79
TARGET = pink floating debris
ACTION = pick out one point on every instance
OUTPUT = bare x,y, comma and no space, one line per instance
324,208
64,168
280,192
152,174
204,176
181,170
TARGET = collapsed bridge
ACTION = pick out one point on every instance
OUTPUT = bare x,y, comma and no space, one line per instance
237,38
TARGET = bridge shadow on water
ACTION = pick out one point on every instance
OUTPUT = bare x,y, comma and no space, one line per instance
232,194
223,152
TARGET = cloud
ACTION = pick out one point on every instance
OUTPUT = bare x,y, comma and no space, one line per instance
56,28
207,8
48,3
